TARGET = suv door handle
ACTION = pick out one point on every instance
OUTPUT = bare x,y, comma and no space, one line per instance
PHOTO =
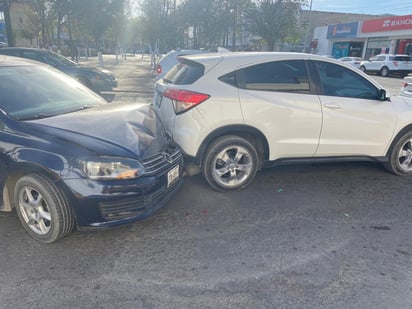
332,105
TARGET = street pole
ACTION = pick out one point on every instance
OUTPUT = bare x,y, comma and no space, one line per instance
7,20
306,49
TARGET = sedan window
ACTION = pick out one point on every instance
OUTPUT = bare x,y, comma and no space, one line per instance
33,56
339,81
286,76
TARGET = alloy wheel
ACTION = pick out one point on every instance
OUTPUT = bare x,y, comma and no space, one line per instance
34,210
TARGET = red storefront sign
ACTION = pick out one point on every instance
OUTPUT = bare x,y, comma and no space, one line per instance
387,24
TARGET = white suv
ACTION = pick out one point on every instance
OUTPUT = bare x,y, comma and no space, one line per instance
233,114
385,64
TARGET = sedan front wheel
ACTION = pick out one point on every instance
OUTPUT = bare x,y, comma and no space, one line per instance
230,163
42,208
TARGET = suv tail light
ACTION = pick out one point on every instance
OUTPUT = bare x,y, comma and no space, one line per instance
404,84
184,100
158,69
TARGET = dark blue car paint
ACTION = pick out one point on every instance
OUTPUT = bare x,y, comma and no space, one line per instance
53,145
97,79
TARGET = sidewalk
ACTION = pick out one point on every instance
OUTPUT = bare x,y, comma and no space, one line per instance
113,60
134,74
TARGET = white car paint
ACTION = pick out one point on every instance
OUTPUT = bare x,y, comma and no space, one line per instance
295,125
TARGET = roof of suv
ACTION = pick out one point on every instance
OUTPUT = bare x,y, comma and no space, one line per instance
255,55
393,56
246,58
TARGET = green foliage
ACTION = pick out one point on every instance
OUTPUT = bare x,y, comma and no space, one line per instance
274,20
211,23
165,24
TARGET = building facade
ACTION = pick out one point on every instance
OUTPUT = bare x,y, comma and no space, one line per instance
387,35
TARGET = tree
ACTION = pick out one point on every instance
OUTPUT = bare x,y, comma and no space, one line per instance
61,10
104,13
205,18
273,20
41,14
155,21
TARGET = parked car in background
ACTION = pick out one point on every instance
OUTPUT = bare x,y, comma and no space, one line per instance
171,59
355,61
3,44
406,89
96,79
70,159
386,64
233,114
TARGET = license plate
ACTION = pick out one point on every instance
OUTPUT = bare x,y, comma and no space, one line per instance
172,175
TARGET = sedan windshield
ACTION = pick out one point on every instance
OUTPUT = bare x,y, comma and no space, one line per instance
33,92
61,59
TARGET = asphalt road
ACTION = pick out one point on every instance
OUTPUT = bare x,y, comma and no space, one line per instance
307,236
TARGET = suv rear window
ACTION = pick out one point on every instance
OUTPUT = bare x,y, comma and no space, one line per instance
185,73
284,76
402,58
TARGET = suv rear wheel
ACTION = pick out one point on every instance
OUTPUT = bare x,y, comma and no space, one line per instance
230,163
384,72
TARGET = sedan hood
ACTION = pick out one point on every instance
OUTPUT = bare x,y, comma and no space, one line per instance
131,127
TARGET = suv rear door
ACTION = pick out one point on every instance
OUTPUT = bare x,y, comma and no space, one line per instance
277,98
403,62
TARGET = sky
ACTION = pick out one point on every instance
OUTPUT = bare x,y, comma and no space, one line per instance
374,7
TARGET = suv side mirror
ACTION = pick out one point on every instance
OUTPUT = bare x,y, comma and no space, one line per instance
382,95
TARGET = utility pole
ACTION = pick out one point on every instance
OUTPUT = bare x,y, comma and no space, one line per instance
308,44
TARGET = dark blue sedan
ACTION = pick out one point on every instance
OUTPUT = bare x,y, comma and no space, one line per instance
70,159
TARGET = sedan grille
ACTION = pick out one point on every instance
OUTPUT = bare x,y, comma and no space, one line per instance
162,161
143,205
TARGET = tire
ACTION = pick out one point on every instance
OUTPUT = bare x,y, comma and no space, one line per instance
384,72
400,155
42,208
230,163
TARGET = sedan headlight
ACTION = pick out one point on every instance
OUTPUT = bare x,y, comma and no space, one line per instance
110,168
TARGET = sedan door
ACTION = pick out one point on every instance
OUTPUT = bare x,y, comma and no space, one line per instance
355,121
